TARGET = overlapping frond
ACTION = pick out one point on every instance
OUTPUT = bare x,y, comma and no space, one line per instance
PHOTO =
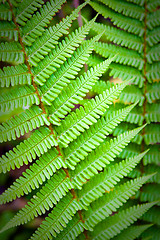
36,26
36,145
110,202
43,169
8,31
77,122
31,119
19,96
49,39
75,92
11,52
15,75
120,221
60,112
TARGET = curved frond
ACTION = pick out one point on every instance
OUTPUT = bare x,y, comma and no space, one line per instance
23,123
60,54
11,52
36,26
26,9
131,25
37,173
55,188
8,31
124,56
132,232
49,39
17,97
104,206
67,72
93,136
75,92
57,219
15,75
37,144
120,221
84,117
107,179
128,9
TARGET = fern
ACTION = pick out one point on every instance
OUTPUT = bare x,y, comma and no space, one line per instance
73,144
136,38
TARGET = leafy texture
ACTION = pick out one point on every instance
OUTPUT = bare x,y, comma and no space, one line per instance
136,39
66,126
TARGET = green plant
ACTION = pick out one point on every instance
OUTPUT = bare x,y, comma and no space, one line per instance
74,173
134,33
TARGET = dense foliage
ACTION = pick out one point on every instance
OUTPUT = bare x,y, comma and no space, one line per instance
81,173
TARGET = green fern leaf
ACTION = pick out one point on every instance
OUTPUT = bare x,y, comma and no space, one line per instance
49,39
18,97
43,169
101,209
23,123
36,26
5,12
15,75
25,152
11,52
26,9
111,227
8,31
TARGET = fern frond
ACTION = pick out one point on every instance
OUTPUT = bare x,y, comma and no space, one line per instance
39,142
132,232
152,215
17,97
128,9
43,45
11,52
153,72
153,36
153,19
127,72
8,31
110,202
150,193
152,113
84,117
118,37
43,169
73,229
152,233
132,94
153,54
36,26
128,24
106,180
60,54
152,156
67,72
75,92
125,56
153,92
5,12
26,9
153,168
130,151
93,136
23,123
152,134
111,227
15,75
55,188
58,218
